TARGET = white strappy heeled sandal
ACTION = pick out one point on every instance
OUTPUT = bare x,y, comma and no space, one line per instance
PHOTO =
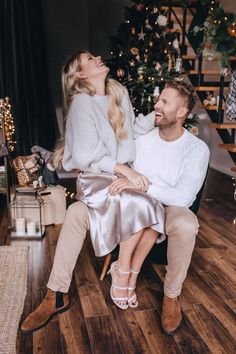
121,302
132,300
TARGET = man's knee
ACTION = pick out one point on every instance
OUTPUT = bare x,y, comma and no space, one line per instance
78,211
183,224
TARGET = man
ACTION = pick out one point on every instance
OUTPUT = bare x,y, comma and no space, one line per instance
176,163
231,99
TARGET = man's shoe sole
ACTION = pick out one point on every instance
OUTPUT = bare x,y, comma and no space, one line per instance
171,332
46,322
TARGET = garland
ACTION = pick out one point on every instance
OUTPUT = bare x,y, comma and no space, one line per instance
219,30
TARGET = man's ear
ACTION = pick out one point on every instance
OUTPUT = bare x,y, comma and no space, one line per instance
182,112
80,75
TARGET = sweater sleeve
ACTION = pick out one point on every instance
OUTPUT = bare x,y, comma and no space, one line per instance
189,184
142,124
83,148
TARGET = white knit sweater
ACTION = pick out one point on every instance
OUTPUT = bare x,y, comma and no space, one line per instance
176,169
91,144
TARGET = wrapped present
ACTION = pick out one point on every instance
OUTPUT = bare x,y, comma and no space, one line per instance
25,170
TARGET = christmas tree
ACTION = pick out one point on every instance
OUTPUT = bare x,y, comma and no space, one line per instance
145,53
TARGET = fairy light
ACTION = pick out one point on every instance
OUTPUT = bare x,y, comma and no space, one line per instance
9,127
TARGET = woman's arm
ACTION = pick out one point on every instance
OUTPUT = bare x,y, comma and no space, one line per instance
141,124
139,181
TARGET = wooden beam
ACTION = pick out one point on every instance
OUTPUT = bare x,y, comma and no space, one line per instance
222,125
209,88
205,72
209,108
228,147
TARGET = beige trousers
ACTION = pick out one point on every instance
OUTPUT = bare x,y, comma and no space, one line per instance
181,229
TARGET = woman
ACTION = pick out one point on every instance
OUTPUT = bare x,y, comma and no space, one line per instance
99,142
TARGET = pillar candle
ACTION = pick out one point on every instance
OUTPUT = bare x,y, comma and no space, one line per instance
31,228
20,226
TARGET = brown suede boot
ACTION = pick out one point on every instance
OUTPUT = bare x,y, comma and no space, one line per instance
171,314
53,303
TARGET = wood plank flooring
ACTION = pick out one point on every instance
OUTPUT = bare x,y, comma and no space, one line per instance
94,325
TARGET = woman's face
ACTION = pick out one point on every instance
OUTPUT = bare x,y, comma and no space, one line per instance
92,67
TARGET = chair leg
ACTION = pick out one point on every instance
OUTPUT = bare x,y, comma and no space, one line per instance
105,266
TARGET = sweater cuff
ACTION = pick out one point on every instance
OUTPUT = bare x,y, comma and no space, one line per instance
107,164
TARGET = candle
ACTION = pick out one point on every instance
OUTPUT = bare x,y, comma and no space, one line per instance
20,226
31,228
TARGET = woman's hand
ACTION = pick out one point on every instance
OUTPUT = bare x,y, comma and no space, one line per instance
119,185
136,178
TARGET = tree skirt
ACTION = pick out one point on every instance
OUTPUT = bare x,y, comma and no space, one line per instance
13,285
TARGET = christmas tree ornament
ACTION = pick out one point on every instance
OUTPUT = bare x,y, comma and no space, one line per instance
141,35
120,72
150,43
178,65
158,66
156,92
194,130
176,43
139,7
157,35
132,63
134,51
171,62
162,20
147,24
155,10
141,69
232,31
145,58
133,30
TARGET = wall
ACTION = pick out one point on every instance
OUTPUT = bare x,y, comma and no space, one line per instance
77,24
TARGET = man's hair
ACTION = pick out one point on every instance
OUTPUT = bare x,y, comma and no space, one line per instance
185,90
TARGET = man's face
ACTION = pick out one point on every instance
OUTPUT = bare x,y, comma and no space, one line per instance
170,108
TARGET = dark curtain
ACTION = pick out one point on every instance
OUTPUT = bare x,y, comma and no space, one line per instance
23,74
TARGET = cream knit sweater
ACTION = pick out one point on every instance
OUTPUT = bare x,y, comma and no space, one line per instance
91,144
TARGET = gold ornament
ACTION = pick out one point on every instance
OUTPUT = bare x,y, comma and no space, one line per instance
134,51
231,31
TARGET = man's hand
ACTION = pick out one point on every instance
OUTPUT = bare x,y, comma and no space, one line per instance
120,185
137,179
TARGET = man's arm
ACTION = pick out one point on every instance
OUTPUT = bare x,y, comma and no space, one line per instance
189,184
231,99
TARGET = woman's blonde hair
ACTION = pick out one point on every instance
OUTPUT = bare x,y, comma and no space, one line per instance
72,86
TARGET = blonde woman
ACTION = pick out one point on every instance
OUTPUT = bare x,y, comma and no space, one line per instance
99,142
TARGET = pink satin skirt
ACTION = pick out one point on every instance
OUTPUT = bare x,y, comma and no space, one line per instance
114,219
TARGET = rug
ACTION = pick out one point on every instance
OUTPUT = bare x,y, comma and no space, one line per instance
13,284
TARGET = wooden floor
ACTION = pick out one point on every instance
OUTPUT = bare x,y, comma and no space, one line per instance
94,325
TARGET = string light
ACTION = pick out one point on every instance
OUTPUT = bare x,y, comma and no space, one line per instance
9,127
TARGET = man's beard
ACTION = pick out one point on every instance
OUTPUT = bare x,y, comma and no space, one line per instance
165,123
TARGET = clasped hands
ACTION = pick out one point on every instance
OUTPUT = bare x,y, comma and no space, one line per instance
135,181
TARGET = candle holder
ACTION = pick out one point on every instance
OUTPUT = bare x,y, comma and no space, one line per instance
26,215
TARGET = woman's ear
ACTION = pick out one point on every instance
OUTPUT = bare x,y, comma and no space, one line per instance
80,75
